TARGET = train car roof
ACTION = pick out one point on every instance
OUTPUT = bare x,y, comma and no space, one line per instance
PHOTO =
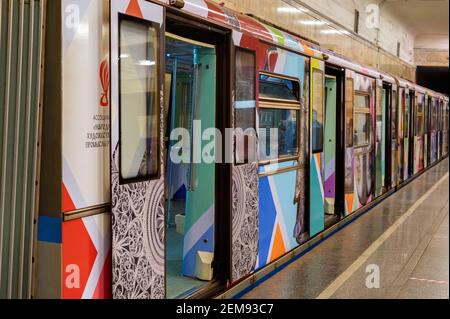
341,61
344,62
406,84
245,24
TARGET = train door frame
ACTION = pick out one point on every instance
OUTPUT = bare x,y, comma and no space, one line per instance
440,127
339,74
388,136
198,29
394,118
429,101
192,27
446,128
412,133
402,111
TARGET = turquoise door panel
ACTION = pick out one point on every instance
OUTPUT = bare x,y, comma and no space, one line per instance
200,197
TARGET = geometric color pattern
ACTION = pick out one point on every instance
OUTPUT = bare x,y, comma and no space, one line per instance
86,266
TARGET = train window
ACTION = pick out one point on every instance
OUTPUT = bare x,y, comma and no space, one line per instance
279,116
245,77
139,134
278,88
394,117
362,120
245,107
401,110
286,122
420,125
406,117
349,99
425,115
318,111
434,115
446,118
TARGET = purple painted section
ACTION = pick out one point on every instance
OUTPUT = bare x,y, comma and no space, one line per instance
330,186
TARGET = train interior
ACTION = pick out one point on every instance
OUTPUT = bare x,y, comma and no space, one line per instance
190,231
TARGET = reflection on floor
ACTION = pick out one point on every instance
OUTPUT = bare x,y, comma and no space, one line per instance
413,261
177,284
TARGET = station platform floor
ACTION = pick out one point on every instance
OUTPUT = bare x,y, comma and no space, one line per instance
402,244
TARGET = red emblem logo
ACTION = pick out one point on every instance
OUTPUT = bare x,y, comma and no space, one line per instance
104,80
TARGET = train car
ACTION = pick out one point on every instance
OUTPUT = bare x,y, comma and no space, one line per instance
145,194
445,131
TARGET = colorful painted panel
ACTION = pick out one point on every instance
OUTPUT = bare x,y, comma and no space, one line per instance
394,137
379,134
360,159
405,158
349,181
317,204
277,214
394,164
86,258
282,196
418,154
316,180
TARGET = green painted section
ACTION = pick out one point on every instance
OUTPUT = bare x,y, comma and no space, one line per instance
201,197
279,36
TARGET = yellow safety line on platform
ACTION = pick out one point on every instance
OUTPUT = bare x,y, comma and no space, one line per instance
336,284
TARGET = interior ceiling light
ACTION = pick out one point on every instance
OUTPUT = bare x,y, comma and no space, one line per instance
290,10
312,22
334,31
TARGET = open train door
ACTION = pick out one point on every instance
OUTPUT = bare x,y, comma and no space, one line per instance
137,169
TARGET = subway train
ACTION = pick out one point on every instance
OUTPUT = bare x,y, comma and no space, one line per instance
120,218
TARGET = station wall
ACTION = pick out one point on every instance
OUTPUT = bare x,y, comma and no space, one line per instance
330,23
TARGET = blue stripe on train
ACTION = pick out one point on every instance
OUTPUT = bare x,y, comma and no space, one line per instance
50,229
267,218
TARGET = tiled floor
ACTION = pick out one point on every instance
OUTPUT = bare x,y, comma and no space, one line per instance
410,252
